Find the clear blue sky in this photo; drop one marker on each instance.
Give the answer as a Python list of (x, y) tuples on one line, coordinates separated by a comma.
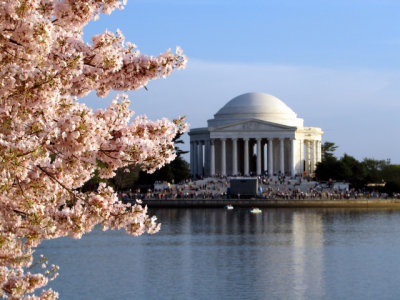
[(336, 63)]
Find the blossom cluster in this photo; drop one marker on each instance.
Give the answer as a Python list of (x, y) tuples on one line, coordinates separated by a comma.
[(51, 144)]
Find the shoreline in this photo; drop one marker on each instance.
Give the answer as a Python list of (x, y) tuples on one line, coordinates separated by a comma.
[(272, 203)]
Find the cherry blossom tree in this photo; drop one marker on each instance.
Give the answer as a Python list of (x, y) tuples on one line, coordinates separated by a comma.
[(51, 144)]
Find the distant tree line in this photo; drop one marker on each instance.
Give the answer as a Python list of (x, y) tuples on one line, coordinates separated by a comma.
[(358, 173)]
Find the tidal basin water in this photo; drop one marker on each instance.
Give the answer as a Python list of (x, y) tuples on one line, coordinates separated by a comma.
[(220, 254)]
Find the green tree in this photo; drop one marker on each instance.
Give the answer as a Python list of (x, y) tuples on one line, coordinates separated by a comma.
[(179, 141), (329, 168), (327, 150), (374, 169), (354, 171), (177, 171), (123, 180), (391, 175), (357, 173)]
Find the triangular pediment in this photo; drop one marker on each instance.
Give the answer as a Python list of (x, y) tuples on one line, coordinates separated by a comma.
[(253, 125)]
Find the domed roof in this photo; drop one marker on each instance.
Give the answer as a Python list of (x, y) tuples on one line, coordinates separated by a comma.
[(259, 106), (256, 104)]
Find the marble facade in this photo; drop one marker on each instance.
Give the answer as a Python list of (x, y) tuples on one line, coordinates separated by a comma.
[(254, 134)]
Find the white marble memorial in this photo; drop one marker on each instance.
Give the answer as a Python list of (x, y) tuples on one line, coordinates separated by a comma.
[(254, 133)]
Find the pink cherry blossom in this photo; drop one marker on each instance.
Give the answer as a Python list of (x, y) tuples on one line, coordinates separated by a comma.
[(51, 144)]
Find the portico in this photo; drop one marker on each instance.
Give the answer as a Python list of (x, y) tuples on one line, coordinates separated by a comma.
[(254, 134)]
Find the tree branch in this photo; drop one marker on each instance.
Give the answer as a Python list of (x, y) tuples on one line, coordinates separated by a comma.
[(56, 180)]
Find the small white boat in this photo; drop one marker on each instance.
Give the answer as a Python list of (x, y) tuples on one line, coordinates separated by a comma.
[(255, 210), (229, 206)]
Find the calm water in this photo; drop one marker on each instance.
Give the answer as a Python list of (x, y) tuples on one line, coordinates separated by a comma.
[(218, 254)]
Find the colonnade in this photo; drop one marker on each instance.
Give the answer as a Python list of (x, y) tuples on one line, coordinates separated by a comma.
[(248, 156), (311, 156)]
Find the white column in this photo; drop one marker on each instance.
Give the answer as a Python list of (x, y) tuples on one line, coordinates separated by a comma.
[(234, 157), (200, 157), (282, 155), (270, 155), (307, 157), (313, 156), (292, 157), (258, 156), (319, 158), (223, 157), (301, 156), (212, 160), (246, 156)]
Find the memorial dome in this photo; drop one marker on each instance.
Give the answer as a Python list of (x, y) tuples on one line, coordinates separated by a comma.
[(258, 106)]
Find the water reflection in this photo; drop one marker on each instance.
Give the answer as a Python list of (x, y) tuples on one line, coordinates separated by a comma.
[(218, 254), (307, 254)]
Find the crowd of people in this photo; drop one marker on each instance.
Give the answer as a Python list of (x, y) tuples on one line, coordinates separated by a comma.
[(270, 187)]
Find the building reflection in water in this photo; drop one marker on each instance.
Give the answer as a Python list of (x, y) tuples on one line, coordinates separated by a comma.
[(278, 248), (308, 256)]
